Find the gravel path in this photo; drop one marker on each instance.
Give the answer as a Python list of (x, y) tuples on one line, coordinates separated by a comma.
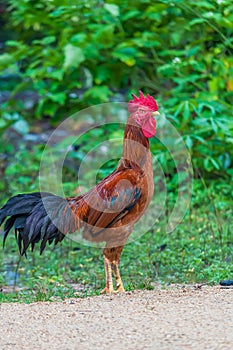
[(175, 318)]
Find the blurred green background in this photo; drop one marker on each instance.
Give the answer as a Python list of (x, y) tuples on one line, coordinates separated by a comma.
[(59, 56)]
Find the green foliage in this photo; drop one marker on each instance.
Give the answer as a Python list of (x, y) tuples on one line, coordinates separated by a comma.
[(70, 56)]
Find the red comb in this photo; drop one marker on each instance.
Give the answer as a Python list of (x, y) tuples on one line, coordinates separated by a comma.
[(146, 101)]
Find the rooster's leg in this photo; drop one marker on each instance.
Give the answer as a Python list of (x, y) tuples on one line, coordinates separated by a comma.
[(108, 274), (111, 264), (117, 276)]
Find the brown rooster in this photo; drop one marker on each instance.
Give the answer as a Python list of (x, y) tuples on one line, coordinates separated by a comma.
[(106, 213)]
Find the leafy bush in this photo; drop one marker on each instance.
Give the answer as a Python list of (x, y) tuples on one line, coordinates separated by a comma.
[(63, 56)]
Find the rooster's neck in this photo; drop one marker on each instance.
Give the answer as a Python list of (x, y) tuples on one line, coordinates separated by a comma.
[(136, 145)]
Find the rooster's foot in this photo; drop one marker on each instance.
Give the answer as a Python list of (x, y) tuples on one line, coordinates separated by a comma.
[(120, 289), (108, 291)]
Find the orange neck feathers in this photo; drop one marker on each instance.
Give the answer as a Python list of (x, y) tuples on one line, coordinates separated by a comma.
[(136, 145)]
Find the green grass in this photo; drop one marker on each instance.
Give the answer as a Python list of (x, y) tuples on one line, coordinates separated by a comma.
[(198, 251)]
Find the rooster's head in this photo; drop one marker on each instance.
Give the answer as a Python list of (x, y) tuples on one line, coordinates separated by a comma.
[(143, 109)]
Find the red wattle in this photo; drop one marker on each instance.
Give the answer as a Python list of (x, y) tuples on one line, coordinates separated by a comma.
[(149, 127)]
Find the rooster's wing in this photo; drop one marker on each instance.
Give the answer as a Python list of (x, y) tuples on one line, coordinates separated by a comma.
[(108, 202)]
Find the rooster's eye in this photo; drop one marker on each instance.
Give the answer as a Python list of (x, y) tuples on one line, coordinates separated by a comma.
[(142, 111)]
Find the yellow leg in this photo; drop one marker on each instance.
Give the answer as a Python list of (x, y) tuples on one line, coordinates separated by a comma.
[(108, 275), (117, 276)]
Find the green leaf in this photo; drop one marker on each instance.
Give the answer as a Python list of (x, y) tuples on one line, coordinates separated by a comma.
[(208, 106), (126, 55), (3, 124), (78, 38), (214, 125), (48, 40), (45, 41), (56, 74), (98, 94), (130, 14), (105, 35), (189, 142), (215, 163), (73, 56), (102, 74), (203, 4), (199, 138), (186, 111), (197, 21), (213, 84), (207, 165), (5, 60), (226, 160), (113, 9), (211, 163), (58, 97)]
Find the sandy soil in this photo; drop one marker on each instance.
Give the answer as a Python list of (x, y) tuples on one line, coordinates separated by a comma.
[(175, 318)]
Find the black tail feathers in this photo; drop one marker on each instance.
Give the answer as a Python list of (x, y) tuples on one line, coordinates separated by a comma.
[(37, 217)]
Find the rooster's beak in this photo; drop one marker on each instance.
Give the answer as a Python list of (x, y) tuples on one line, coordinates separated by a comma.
[(155, 113)]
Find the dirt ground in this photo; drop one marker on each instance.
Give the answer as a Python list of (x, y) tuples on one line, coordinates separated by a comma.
[(175, 318)]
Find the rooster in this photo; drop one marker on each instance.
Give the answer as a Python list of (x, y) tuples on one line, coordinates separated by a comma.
[(106, 213)]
